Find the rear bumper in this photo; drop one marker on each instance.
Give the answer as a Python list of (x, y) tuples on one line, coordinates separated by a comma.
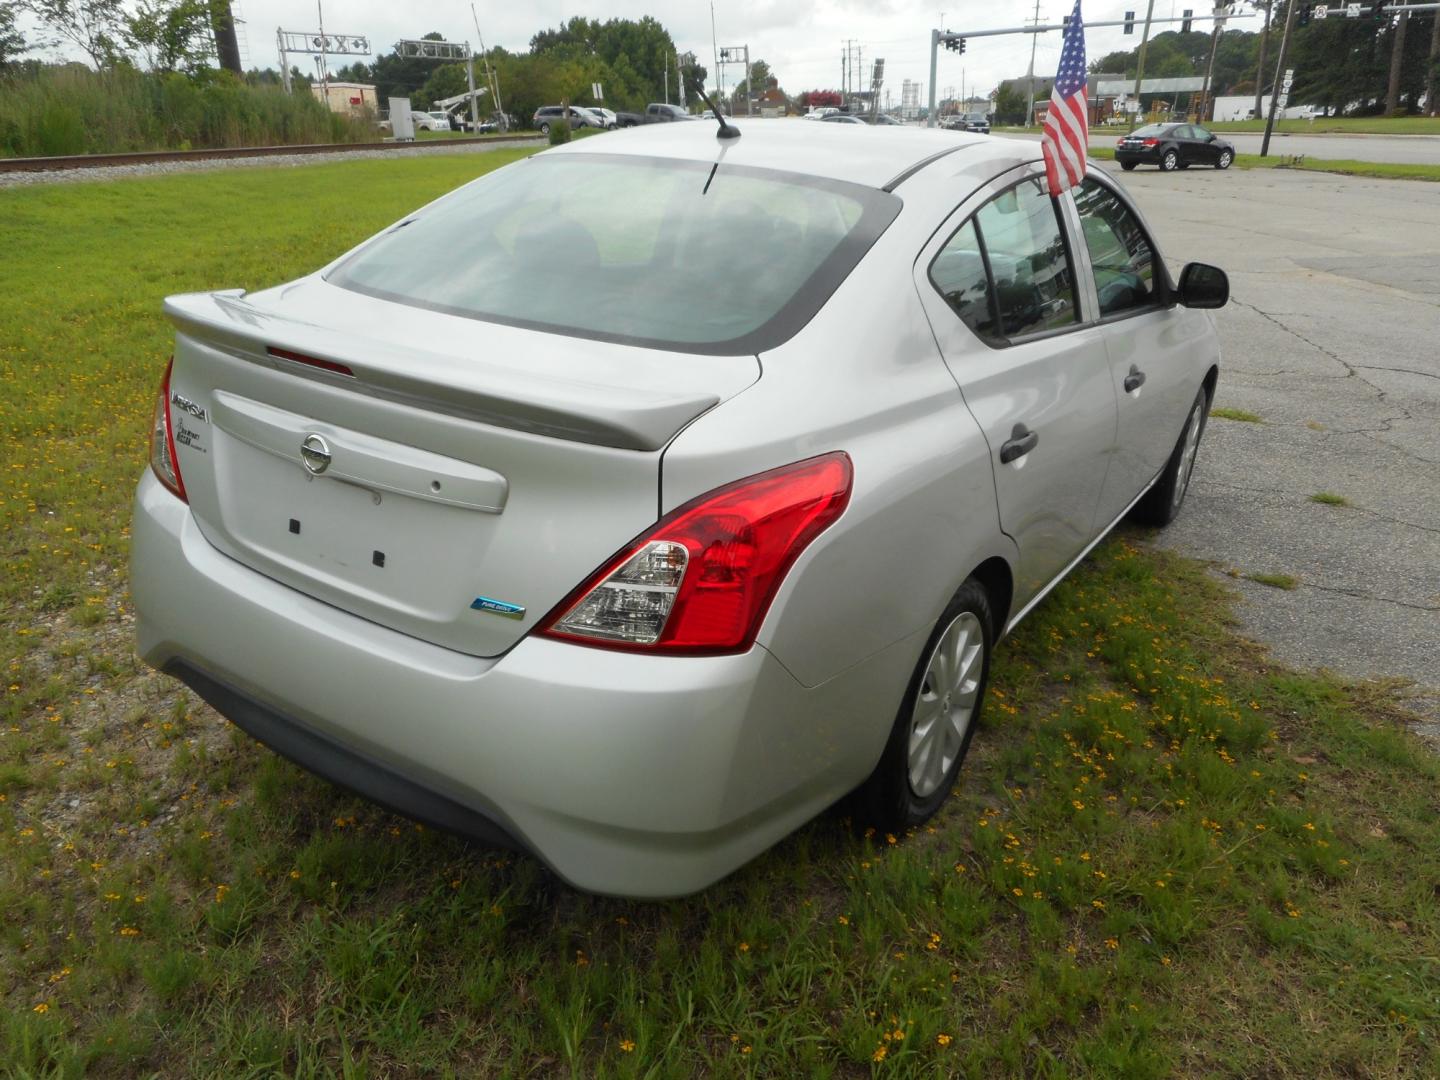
[(1138, 157), (626, 774)]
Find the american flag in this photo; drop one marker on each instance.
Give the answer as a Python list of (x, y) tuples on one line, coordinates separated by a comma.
[(1066, 128)]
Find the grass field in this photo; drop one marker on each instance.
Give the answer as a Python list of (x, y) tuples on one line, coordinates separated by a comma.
[(1341, 125), (1381, 170), (1167, 855)]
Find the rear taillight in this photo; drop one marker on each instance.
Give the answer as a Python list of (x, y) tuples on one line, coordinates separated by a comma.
[(162, 441), (1152, 142), (701, 580)]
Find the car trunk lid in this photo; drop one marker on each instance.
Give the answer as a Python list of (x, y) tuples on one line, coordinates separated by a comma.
[(449, 478)]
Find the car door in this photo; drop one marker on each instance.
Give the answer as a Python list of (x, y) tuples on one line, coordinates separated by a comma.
[(1000, 290), (1206, 151), (1148, 339)]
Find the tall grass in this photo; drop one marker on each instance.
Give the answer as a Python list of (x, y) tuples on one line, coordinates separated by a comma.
[(73, 110)]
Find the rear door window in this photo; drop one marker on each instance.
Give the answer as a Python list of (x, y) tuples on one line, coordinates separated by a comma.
[(1029, 276)]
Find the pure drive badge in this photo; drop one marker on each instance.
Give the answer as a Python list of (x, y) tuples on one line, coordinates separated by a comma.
[(498, 607)]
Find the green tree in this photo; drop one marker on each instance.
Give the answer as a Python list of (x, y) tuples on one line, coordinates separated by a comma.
[(760, 76), (396, 76), (95, 26), (1010, 105), (445, 81), (12, 42), (172, 35)]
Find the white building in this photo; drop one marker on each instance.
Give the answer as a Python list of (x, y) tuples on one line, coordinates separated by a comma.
[(351, 99), (1242, 107)]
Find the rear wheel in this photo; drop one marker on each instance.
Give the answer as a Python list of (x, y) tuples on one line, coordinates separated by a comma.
[(1170, 161), (544, 129), (1226, 157), (1161, 504), (937, 716)]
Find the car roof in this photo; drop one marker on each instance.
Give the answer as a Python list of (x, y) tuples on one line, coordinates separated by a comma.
[(822, 150)]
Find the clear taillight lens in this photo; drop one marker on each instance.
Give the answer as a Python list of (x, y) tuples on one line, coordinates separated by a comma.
[(162, 441), (701, 581)]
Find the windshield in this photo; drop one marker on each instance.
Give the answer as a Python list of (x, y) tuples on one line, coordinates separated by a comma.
[(687, 256)]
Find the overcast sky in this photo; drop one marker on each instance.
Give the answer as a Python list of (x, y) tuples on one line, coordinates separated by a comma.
[(802, 40)]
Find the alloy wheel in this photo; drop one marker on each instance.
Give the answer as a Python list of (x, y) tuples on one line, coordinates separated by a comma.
[(1187, 456), (946, 703)]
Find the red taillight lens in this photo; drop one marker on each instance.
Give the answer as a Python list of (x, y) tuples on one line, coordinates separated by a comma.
[(701, 580), (162, 441), (1152, 142)]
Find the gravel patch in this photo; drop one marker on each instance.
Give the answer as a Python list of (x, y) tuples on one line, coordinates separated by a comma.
[(268, 161)]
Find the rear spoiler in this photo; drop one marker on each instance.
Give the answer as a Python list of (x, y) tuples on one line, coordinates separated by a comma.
[(626, 417)]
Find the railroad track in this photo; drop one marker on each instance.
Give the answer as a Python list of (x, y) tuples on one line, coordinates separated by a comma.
[(151, 157)]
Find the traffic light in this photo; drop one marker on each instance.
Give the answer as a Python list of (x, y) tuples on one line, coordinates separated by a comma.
[(1129, 22), (1377, 9), (1185, 26), (955, 44), (1302, 18)]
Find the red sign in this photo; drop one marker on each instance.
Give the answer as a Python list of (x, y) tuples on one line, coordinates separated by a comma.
[(354, 101)]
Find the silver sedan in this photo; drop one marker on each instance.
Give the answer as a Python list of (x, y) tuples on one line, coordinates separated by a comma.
[(635, 540)]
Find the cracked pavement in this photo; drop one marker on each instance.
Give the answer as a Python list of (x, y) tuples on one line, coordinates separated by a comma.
[(1331, 337)]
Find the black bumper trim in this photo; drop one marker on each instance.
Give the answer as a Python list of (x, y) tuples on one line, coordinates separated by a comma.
[(341, 764)]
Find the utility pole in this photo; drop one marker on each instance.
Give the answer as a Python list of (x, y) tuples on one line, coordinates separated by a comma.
[(934, 48), (1210, 68), (1030, 81), (1140, 61), (1260, 64), (1397, 56), (1432, 84), (1279, 72), (666, 80), (714, 44), (749, 83)]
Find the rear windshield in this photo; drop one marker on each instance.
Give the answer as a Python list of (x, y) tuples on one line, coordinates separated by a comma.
[(1150, 130), (687, 256)]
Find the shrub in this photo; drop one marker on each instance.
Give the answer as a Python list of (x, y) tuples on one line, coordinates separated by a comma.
[(559, 132), (68, 109)]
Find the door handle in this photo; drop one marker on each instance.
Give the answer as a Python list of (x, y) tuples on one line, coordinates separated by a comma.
[(1020, 443), (1134, 380)]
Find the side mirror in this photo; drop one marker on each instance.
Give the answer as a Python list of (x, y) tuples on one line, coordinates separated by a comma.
[(1203, 286)]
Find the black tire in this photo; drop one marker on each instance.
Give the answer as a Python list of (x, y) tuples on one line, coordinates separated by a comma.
[(1128, 166), (888, 799), (1161, 504), (1223, 162), (1169, 161)]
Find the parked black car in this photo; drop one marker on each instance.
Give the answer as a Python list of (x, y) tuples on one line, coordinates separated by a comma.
[(1173, 146)]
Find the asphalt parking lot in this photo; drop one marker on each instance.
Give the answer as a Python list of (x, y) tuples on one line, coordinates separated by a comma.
[(1331, 338)]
